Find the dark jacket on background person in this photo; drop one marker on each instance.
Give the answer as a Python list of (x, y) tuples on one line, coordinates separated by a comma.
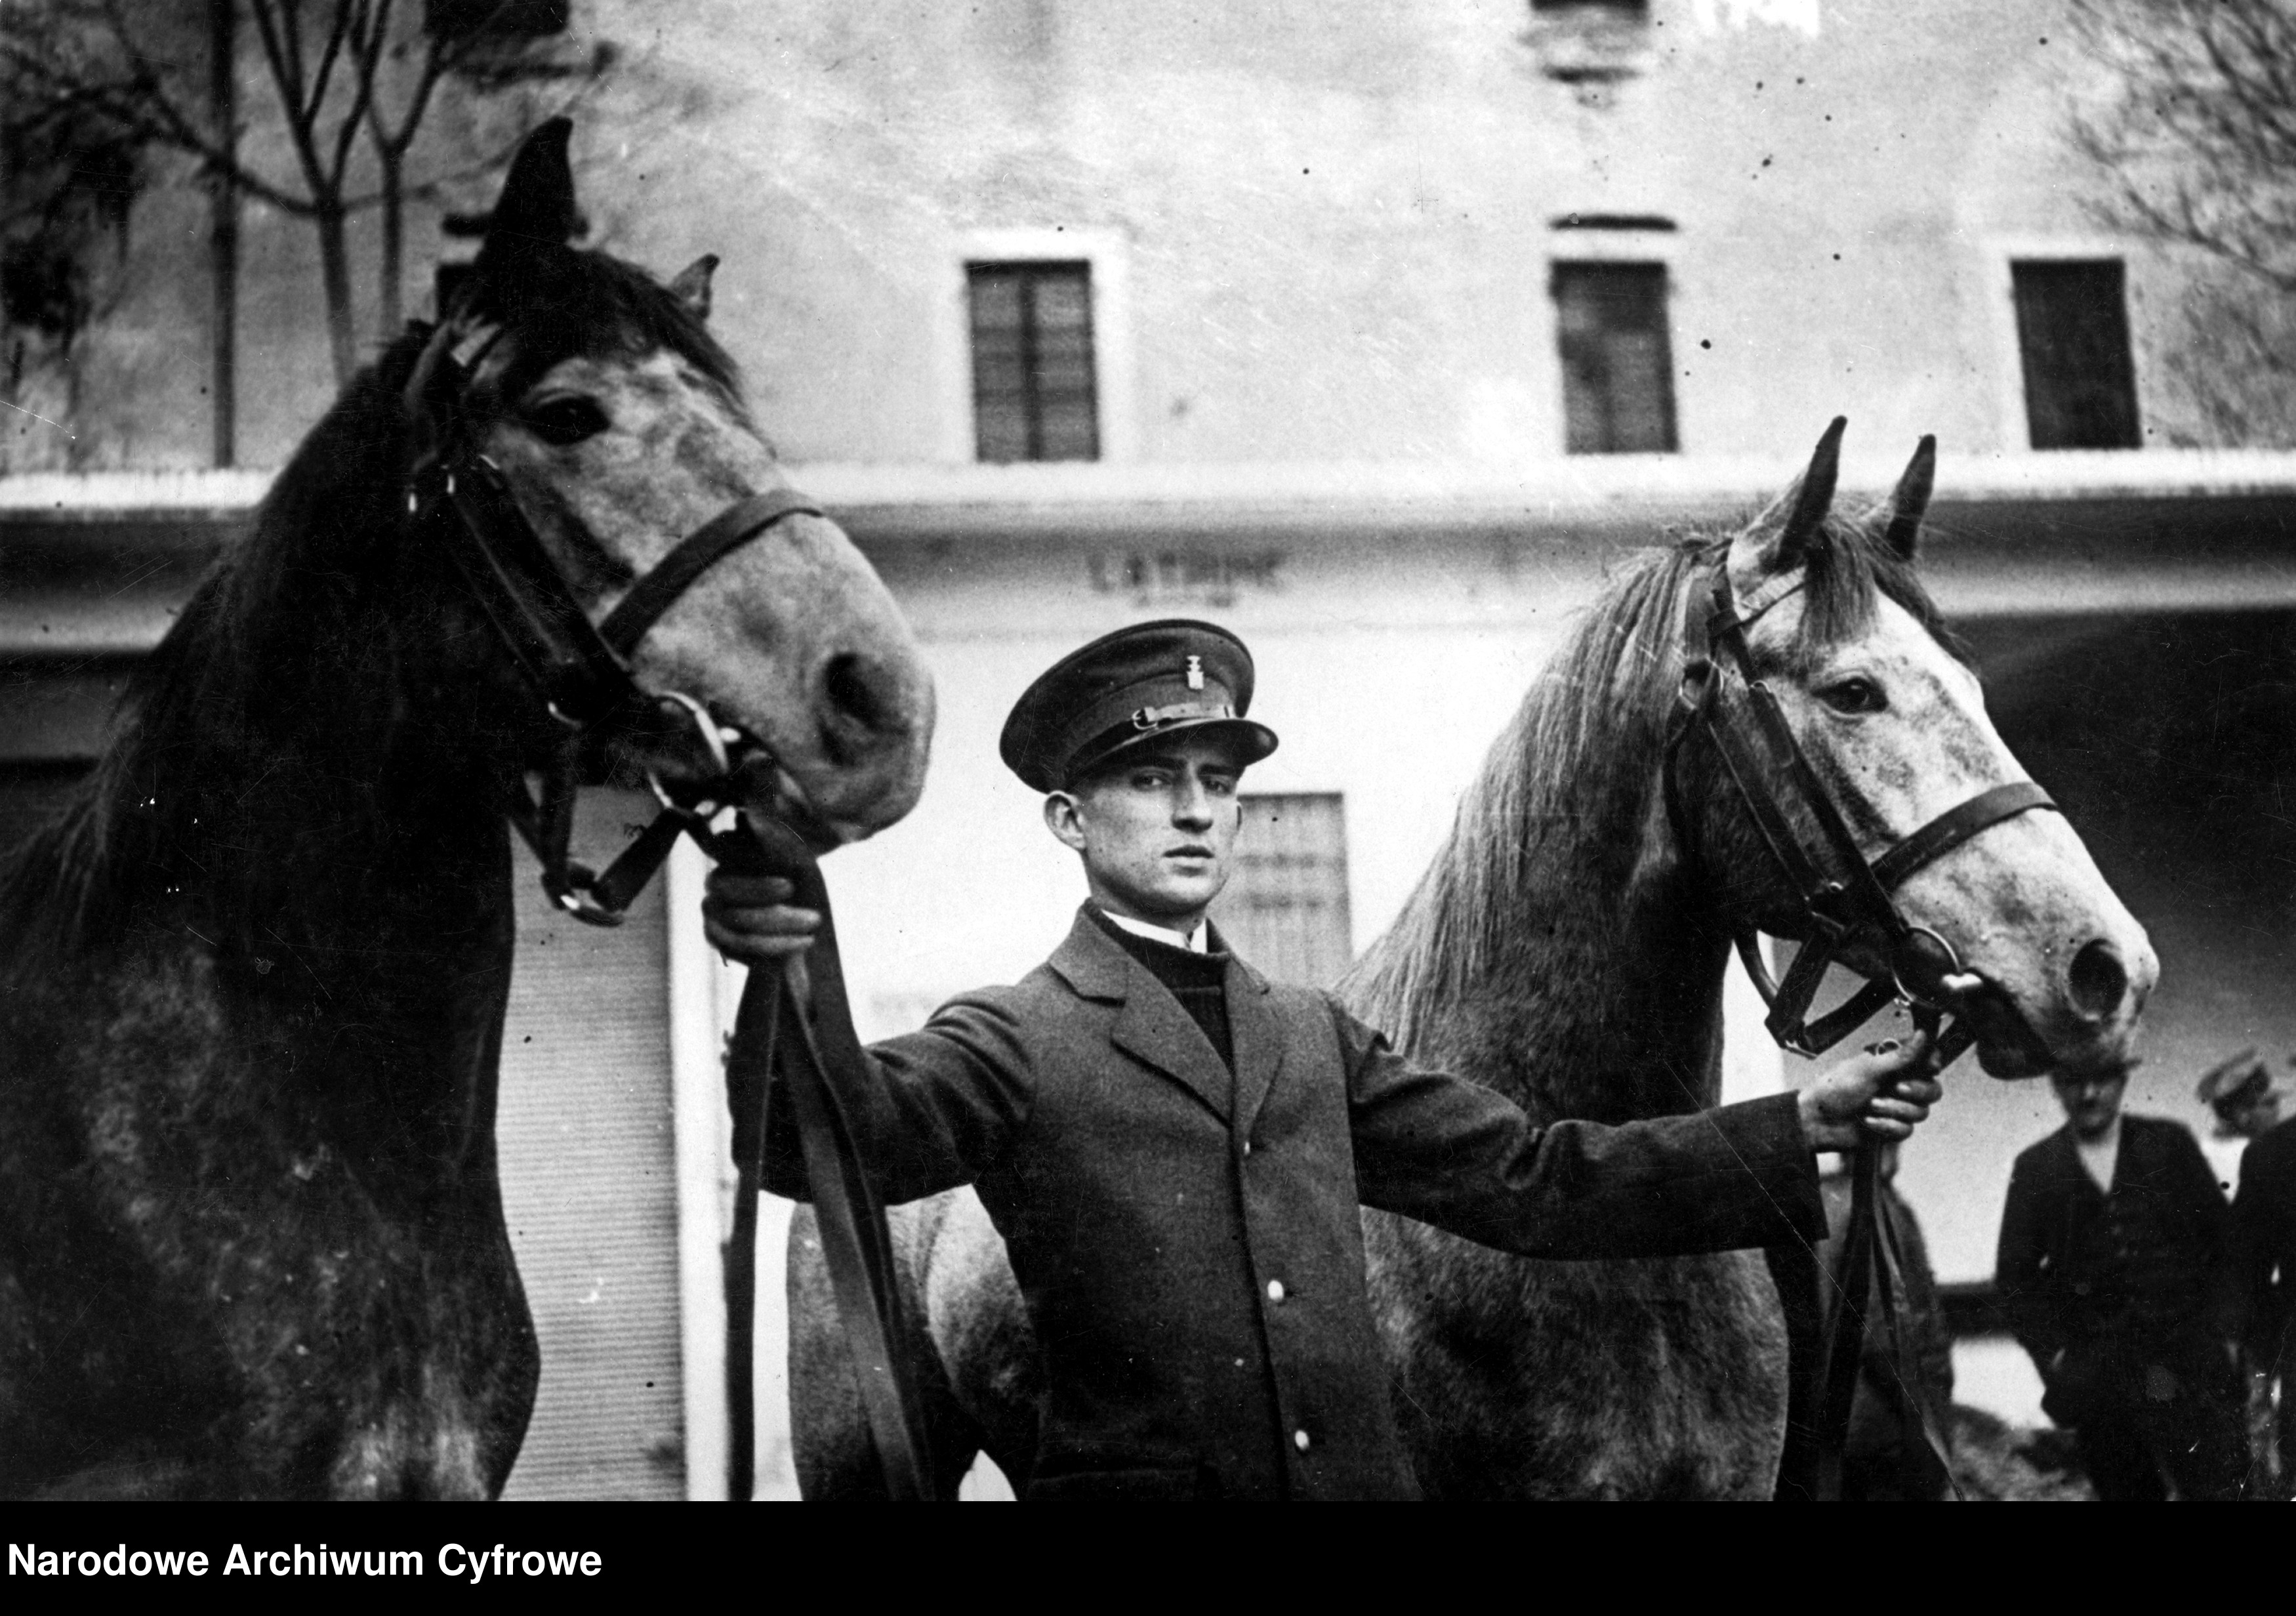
[(2089, 1280), (2263, 1261), (1185, 1228)]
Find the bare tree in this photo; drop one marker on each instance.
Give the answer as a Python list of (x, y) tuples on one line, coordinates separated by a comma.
[(2192, 132), (2198, 132), (348, 80)]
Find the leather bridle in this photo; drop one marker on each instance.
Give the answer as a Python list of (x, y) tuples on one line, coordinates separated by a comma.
[(1844, 899), (579, 672)]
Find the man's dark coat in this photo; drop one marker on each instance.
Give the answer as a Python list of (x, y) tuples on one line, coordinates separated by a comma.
[(2111, 1282), (1188, 1241)]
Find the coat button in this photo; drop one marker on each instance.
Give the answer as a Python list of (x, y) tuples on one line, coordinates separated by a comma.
[(1275, 1290), (1300, 1441)]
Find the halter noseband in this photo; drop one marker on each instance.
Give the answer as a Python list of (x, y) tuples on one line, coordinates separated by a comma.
[(1761, 757), (579, 671)]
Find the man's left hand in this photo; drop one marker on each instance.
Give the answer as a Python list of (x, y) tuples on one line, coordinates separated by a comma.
[(1884, 1093)]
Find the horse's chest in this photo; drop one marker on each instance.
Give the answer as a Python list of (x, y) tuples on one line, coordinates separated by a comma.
[(301, 1280)]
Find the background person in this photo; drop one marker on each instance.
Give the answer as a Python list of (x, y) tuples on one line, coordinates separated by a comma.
[(2112, 1242), (2239, 1091), (2262, 1276)]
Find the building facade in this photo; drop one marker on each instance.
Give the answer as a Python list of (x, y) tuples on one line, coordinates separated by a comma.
[(1377, 335)]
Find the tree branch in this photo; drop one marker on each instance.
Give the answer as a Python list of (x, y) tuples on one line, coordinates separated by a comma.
[(345, 24)]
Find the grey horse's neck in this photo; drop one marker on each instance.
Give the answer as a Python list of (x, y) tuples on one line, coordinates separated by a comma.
[(1608, 1017), (1557, 950)]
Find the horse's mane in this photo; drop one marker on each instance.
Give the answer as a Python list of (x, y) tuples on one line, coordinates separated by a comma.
[(295, 651), (1556, 825)]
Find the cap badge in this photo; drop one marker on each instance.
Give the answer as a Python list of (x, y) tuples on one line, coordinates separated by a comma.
[(1195, 672)]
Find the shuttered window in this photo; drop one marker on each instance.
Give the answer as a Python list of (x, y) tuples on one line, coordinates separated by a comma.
[(497, 19), (1617, 365), (1035, 388), (1286, 908), (2072, 336)]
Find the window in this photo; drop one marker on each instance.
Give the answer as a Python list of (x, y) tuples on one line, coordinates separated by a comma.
[(2072, 336), (497, 19), (1034, 392), (1286, 908), (1590, 44), (1617, 368)]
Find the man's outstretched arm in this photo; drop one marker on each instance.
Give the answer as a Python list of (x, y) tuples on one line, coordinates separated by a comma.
[(1458, 1155)]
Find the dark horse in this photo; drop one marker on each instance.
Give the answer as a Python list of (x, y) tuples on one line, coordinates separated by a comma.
[(1568, 948), (252, 981)]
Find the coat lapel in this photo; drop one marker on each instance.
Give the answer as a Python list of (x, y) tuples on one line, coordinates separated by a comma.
[(1257, 1034), (1150, 1026)]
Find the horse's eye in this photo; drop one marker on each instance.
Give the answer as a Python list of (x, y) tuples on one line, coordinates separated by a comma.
[(1854, 695), (565, 421)]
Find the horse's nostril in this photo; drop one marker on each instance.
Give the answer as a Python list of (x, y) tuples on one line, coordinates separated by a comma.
[(862, 705), (2097, 980)]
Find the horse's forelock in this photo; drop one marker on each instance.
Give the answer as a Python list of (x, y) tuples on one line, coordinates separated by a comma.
[(1848, 568), (564, 303)]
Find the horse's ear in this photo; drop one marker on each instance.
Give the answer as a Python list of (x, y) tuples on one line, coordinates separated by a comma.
[(692, 286), (1776, 540), (537, 206), (1911, 500)]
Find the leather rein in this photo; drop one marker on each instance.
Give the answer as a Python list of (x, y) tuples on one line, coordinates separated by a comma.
[(793, 1024), (1843, 898)]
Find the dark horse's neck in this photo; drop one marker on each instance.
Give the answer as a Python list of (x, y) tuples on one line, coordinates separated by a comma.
[(1558, 948), (301, 805)]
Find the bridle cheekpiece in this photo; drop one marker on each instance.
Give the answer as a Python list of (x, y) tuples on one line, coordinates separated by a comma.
[(1843, 897), (579, 672)]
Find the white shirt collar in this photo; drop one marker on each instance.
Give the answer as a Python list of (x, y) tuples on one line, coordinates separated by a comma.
[(1193, 941), (2101, 1156)]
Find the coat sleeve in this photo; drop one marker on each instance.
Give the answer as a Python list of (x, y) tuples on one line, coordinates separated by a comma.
[(1466, 1159), (2019, 1261), (942, 1107)]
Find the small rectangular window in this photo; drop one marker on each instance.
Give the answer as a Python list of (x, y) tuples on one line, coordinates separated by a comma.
[(1286, 908), (2072, 336), (497, 19), (1618, 367), (1035, 390)]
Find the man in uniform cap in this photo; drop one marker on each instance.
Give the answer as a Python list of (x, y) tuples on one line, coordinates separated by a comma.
[(1175, 1149), (2241, 1092)]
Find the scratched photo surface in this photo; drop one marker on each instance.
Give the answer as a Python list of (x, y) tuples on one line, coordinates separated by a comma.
[(1392, 337)]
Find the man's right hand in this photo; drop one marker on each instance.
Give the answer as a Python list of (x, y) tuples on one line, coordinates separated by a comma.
[(750, 919)]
